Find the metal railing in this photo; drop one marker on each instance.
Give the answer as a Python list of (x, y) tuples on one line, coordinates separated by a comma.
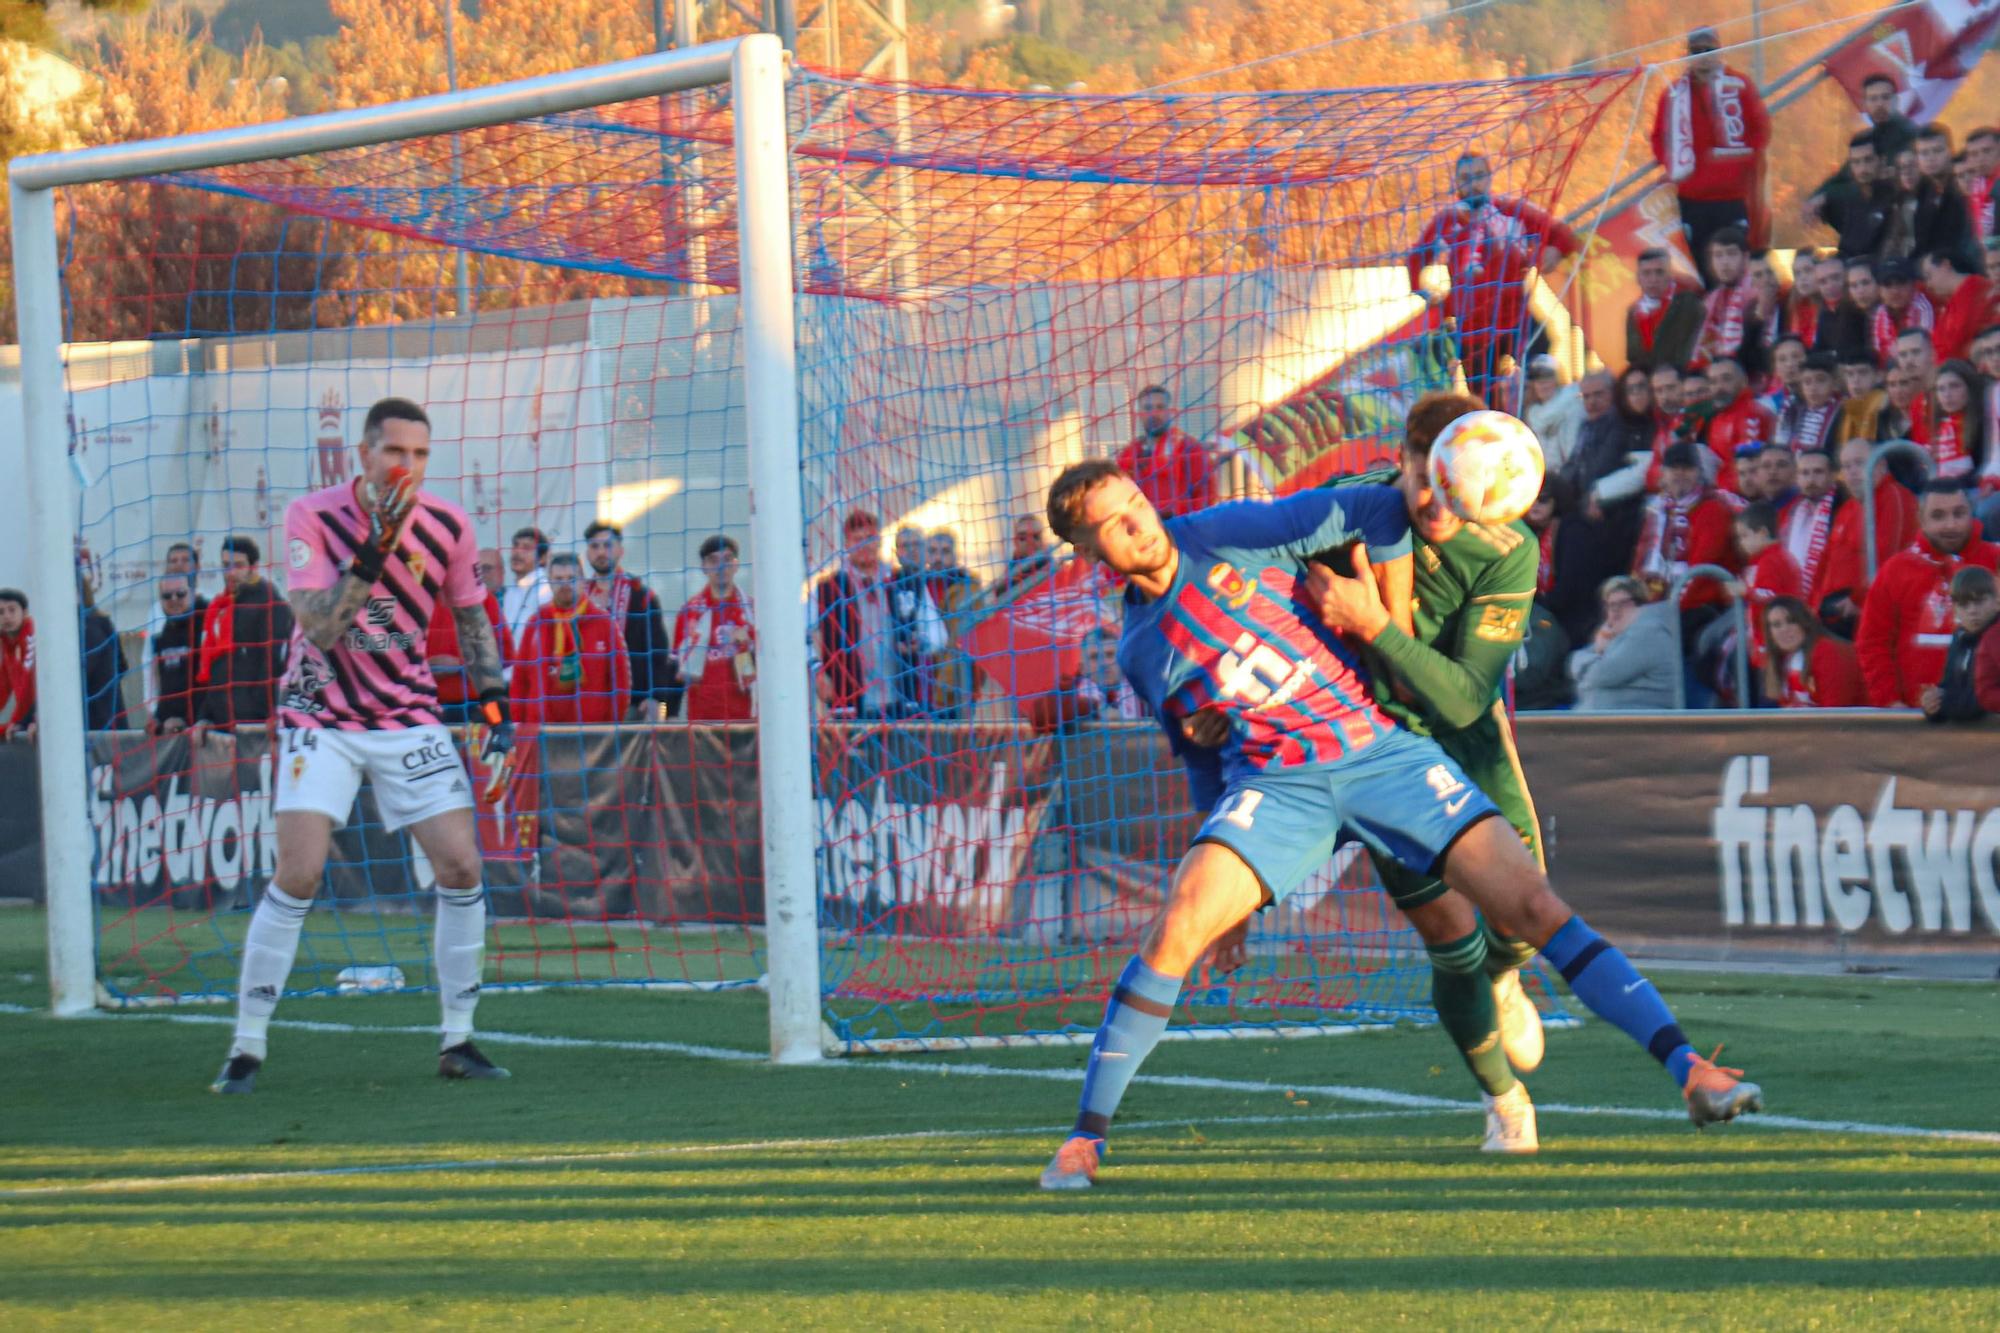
[(1727, 578)]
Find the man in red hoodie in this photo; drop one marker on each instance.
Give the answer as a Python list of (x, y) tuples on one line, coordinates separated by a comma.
[(1709, 134), (17, 665), (1742, 428), (1965, 302), (570, 665), (1171, 466), (1488, 244), (1907, 623), (1840, 584)]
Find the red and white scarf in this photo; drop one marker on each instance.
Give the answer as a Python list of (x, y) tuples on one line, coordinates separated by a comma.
[(1947, 446), (1545, 572), (1885, 324), (1726, 122), (1798, 694), (1722, 330), (1663, 541), (1806, 529), (1647, 314), (1815, 426)]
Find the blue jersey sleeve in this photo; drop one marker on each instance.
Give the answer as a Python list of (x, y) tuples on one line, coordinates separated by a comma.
[(1312, 521)]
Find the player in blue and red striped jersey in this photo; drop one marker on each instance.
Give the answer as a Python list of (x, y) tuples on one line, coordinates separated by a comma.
[(1274, 716)]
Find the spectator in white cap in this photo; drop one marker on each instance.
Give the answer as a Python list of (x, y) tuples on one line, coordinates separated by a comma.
[(1554, 412)]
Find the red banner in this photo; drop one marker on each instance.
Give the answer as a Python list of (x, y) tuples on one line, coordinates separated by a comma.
[(1927, 49)]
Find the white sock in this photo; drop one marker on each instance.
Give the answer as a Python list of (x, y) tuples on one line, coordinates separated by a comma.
[(461, 958), (269, 947)]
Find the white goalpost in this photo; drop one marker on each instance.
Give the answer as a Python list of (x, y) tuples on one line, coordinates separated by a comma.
[(754, 70)]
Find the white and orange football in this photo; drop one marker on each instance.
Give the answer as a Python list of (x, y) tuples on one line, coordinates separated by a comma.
[(1487, 467)]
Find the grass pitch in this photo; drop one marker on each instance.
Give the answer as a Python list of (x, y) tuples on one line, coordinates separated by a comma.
[(645, 1187)]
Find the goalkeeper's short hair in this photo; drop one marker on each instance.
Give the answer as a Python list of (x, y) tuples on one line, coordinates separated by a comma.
[(1430, 414)]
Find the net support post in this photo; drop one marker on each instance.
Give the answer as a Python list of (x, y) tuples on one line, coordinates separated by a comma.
[(67, 841), (777, 531)]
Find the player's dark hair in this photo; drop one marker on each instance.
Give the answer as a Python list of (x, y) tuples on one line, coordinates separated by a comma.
[(1986, 332), (1728, 238), (1072, 489), (1942, 486), (393, 409), (535, 535), (1983, 132), (1759, 517), (1921, 335), (1653, 254), (1784, 338), (600, 526), (1822, 450), (1825, 362), (1681, 454), (719, 543), (1874, 79), (1972, 584), (1159, 389), (1862, 263), (1865, 139), (14, 595), (1857, 356), (194, 554), (1428, 417), (1934, 131), (566, 558), (243, 546)]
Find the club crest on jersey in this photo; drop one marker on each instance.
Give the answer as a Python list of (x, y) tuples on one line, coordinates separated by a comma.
[(415, 564), (1231, 586), (298, 766)]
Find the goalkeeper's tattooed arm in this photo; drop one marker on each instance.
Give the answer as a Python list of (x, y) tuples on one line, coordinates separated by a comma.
[(479, 648), (325, 613)]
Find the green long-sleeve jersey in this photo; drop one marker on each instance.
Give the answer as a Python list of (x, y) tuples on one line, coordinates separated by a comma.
[(1470, 599)]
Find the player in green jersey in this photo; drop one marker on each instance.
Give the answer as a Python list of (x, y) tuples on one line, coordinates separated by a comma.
[(1473, 589)]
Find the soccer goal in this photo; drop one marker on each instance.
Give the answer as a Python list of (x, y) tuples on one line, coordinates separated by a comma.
[(641, 295)]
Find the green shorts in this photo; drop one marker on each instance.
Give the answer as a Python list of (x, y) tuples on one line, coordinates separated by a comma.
[(1485, 751)]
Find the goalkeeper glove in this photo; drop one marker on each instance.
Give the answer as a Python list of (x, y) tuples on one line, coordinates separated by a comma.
[(387, 513), (496, 742)]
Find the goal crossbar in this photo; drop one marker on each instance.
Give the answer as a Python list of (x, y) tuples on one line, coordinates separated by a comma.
[(754, 69)]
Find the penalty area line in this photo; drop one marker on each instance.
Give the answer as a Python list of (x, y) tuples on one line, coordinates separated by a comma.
[(1358, 1095), (129, 1184)]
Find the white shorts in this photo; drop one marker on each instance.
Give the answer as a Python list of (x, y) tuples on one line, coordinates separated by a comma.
[(415, 773)]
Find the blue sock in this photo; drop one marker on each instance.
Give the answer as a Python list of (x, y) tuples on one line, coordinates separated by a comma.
[(1141, 1004), (1605, 980)]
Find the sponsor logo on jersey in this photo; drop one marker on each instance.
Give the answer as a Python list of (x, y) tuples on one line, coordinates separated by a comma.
[(299, 552), (1231, 585)]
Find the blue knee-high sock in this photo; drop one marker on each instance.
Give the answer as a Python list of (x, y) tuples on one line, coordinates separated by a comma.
[(1605, 980), (1140, 1005)]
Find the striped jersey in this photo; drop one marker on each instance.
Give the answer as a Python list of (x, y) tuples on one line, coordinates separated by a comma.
[(1230, 632), (377, 676)]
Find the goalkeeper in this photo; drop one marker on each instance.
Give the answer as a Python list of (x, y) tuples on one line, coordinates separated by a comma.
[(1473, 586)]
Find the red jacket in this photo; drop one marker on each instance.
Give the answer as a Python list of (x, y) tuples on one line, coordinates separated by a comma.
[(442, 641), (1711, 540), (1986, 672), (1773, 574), (1907, 624), (1844, 567), (1488, 251), (17, 672), (715, 694), (1174, 471), (1835, 678), (1711, 140), (1969, 310), (1745, 424), (571, 668)]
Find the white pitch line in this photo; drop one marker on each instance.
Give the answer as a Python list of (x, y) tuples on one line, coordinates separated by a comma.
[(127, 1184), (1365, 1096)]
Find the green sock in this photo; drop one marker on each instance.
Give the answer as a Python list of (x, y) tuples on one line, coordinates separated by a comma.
[(1504, 953), (1462, 994)]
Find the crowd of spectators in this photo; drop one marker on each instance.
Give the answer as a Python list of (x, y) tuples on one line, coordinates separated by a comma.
[(1744, 432)]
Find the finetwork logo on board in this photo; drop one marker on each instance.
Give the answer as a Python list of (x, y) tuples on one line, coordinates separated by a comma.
[(1800, 866)]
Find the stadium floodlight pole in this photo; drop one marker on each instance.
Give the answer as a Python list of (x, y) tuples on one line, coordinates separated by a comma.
[(755, 65), (1736, 609), (1887, 449)]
